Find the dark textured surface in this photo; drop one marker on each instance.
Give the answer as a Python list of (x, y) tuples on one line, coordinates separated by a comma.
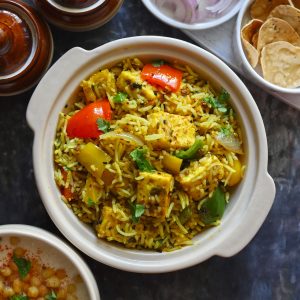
[(268, 268)]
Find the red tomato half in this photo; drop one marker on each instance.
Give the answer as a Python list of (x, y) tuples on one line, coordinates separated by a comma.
[(164, 76), (84, 123)]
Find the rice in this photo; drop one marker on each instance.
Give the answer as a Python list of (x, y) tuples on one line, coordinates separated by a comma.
[(170, 217)]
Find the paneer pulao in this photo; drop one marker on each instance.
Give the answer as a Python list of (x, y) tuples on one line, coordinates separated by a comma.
[(147, 153), (172, 131)]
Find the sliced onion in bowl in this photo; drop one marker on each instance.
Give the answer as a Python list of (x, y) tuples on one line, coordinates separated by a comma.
[(192, 11), (124, 136), (219, 7)]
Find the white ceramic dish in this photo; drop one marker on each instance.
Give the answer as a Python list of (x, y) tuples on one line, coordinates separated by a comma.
[(249, 204), (229, 13), (256, 74), (51, 251)]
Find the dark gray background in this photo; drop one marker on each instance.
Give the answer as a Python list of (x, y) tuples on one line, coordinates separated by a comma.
[(268, 268)]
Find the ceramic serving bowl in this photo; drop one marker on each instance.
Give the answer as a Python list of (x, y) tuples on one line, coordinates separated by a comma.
[(52, 252), (250, 202), (255, 74), (228, 14)]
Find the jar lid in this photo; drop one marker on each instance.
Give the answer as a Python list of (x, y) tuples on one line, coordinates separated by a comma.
[(78, 15), (25, 47), (76, 3), (15, 42)]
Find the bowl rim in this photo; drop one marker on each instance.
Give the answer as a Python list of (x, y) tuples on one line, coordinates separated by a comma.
[(195, 26), (246, 63), (20, 230), (262, 193)]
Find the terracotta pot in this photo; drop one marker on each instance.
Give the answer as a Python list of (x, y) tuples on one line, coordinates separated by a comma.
[(26, 47), (78, 15)]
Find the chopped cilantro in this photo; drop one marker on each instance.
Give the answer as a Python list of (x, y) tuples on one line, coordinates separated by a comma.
[(23, 265), (224, 96), (215, 104), (138, 156), (51, 296), (157, 63), (120, 97), (226, 130), (90, 202), (219, 102), (19, 297), (103, 125), (137, 210)]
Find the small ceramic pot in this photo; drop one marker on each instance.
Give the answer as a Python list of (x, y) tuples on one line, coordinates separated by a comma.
[(78, 15), (26, 47), (250, 201)]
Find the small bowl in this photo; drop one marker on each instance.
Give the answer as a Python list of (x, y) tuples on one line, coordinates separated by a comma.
[(250, 201), (50, 251), (230, 12), (242, 19)]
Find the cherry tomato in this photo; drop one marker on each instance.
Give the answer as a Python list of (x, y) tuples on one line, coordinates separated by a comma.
[(164, 76), (84, 123)]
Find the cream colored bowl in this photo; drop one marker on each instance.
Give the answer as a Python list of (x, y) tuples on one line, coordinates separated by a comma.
[(52, 252), (250, 202)]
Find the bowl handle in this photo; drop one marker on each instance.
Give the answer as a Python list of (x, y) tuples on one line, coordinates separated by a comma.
[(40, 103), (261, 202)]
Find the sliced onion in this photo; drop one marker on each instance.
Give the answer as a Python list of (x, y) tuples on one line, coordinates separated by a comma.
[(192, 11), (124, 136), (191, 8), (230, 142), (219, 7), (173, 8)]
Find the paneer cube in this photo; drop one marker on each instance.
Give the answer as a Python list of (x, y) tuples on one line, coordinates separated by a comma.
[(106, 229), (202, 177), (104, 83), (101, 84), (175, 132), (153, 191), (131, 83)]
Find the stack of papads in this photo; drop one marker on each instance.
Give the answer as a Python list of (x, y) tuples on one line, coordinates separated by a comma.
[(272, 40)]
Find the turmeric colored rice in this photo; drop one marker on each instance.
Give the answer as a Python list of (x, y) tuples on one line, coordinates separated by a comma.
[(164, 164)]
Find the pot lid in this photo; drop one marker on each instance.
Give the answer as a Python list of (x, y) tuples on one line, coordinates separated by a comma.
[(15, 42), (76, 3), (25, 47)]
